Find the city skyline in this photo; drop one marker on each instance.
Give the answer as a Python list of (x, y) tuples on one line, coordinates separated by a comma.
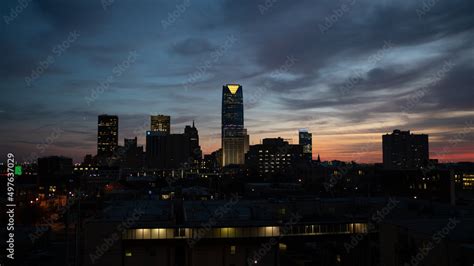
[(415, 74)]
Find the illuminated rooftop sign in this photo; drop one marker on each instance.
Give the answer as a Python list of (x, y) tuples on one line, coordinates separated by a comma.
[(233, 88)]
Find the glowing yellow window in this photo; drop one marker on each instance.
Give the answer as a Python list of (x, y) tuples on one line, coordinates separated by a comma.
[(282, 246)]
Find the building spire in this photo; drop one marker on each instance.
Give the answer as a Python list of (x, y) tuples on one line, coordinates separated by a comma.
[(193, 123)]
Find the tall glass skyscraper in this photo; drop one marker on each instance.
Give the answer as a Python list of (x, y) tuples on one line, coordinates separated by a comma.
[(306, 140), (234, 135), (107, 135)]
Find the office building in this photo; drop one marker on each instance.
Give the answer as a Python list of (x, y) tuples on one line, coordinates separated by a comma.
[(54, 171), (403, 150), (234, 135), (107, 135), (131, 154), (194, 149), (306, 141), (263, 232), (161, 123), (167, 151), (273, 157)]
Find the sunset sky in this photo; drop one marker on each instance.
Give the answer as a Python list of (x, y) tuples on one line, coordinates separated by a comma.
[(348, 71)]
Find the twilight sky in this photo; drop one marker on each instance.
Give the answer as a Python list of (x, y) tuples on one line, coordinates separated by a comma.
[(349, 71)]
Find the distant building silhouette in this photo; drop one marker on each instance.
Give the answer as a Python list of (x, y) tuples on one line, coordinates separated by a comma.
[(107, 135), (54, 170), (160, 123), (194, 149), (403, 150), (132, 154), (166, 151), (234, 135), (173, 151), (306, 140)]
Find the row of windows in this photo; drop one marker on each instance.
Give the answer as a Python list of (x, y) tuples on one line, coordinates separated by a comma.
[(244, 232)]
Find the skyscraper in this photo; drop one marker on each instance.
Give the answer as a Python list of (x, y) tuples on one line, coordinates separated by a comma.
[(403, 150), (107, 135), (195, 150), (132, 154), (234, 135), (306, 140), (160, 123), (167, 151)]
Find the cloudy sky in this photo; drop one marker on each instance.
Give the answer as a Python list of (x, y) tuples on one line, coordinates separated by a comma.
[(349, 71)]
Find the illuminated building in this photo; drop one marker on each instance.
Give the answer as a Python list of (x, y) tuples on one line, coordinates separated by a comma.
[(160, 123), (272, 157), (306, 140), (468, 181), (234, 135), (170, 233), (107, 135), (403, 150)]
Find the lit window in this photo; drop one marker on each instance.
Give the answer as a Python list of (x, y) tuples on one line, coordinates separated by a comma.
[(232, 250)]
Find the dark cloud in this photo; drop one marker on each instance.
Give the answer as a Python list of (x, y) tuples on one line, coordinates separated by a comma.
[(305, 92), (192, 46), (68, 16)]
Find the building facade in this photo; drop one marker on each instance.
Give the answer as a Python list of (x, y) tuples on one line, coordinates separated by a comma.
[(107, 135), (160, 123), (403, 150), (166, 151), (273, 157), (306, 141), (194, 149), (234, 135)]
